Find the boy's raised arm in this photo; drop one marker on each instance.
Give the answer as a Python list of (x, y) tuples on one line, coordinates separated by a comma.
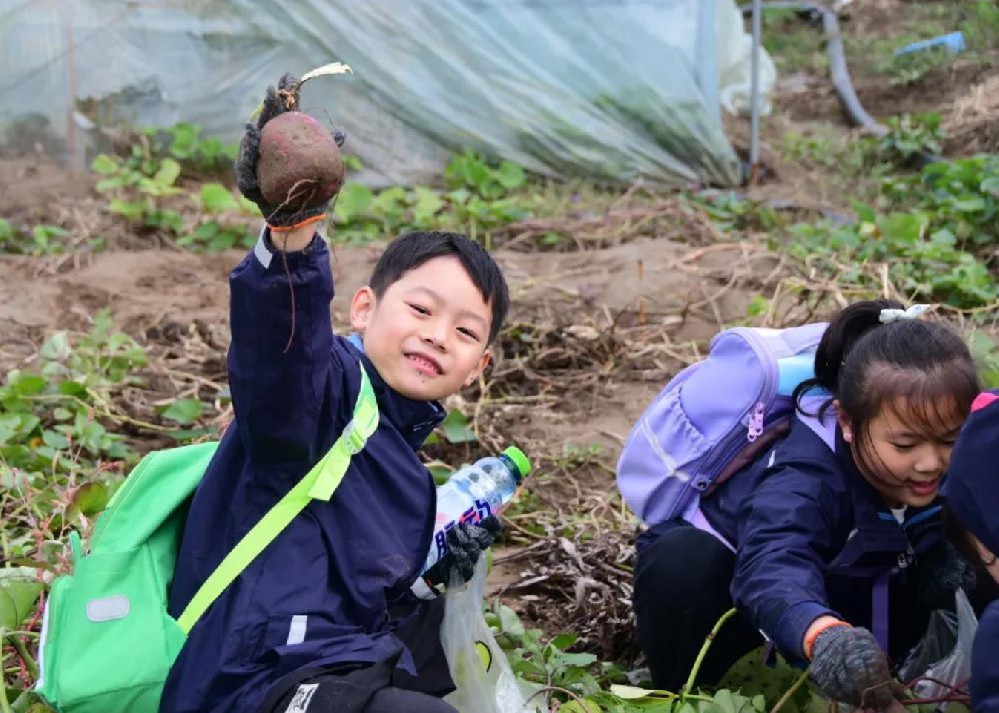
[(279, 358), (280, 355)]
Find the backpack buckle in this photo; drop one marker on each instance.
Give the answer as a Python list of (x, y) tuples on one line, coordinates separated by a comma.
[(353, 439)]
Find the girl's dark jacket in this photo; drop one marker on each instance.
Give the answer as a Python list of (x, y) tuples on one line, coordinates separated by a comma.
[(812, 537)]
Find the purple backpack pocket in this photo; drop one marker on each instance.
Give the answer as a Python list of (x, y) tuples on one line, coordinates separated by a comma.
[(714, 417)]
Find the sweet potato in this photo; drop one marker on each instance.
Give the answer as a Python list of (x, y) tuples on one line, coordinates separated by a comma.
[(300, 165)]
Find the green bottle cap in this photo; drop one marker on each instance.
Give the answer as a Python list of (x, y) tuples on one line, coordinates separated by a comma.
[(520, 460)]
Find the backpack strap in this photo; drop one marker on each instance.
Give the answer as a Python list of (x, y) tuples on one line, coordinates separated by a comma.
[(318, 484)]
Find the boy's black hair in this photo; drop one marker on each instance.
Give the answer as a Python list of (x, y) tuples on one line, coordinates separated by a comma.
[(865, 365), (409, 251)]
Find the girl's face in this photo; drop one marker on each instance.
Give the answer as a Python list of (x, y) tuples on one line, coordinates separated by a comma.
[(903, 462)]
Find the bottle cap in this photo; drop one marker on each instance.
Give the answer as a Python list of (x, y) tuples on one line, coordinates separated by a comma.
[(521, 461)]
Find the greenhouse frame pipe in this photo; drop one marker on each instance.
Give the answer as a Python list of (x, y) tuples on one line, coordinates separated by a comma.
[(754, 132), (838, 70)]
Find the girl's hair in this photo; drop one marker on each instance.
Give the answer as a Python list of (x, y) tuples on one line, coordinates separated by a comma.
[(866, 365)]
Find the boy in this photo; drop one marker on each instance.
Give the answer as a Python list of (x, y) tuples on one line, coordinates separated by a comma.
[(334, 609)]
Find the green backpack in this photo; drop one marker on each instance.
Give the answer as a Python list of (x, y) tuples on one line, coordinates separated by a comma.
[(107, 641)]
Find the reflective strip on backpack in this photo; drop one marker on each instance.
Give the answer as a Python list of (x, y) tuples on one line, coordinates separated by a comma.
[(318, 484)]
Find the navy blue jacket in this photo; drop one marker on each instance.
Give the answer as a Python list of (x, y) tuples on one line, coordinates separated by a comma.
[(320, 595), (972, 494), (812, 535)]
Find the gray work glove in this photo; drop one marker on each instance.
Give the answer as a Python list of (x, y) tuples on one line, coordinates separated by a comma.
[(277, 101), (942, 571), (849, 666), (465, 542)]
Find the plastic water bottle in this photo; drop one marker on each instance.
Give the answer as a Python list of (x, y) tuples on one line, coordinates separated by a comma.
[(475, 492), (793, 370)]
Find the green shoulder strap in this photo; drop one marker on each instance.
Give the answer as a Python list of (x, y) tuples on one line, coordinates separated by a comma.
[(318, 484)]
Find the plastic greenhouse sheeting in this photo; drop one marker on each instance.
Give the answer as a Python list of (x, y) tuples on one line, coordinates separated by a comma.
[(608, 89)]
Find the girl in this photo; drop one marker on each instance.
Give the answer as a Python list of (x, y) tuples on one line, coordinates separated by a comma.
[(972, 494), (818, 544)]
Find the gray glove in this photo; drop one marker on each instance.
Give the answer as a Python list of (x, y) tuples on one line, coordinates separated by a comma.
[(277, 101), (942, 571), (465, 542), (849, 666)]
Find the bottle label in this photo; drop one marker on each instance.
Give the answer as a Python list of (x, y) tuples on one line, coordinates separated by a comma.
[(478, 512)]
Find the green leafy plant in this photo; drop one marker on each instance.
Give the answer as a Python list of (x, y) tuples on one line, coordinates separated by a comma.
[(732, 212), (909, 136), (904, 70), (961, 196), (52, 419), (143, 188), (986, 352), (39, 240), (478, 197), (934, 232), (184, 143)]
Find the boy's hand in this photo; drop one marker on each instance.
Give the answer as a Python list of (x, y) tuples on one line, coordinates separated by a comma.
[(942, 571), (849, 666), (465, 542), (278, 100)]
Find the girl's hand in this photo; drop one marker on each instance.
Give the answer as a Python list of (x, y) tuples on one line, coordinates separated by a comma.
[(849, 666)]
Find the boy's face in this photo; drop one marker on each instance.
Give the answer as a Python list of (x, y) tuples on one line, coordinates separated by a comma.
[(427, 334)]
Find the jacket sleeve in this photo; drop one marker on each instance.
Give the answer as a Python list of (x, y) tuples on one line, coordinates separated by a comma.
[(280, 354), (785, 537), (984, 667)]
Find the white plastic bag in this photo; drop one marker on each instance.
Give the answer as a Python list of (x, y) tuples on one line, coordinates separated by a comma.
[(485, 681), (944, 653), (735, 57)]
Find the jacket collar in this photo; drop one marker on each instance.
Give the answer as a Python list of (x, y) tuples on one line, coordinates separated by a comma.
[(414, 420)]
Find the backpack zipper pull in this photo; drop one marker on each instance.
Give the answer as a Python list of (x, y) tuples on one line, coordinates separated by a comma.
[(755, 423)]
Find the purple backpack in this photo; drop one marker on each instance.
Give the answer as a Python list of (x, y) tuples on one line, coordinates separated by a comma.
[(714, 417)]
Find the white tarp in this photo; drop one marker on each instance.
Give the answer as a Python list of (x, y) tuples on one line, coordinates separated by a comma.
[(607, 89)]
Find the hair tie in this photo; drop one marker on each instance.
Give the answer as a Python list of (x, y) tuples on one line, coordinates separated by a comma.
[(894, 315)]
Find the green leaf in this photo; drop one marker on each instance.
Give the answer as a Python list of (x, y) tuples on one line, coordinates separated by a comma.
[(440, 472), (632, 693), (510, 175), (353, 202), (183, 411), (456, 428), (26, 384), (55, 440), (107, 184), (969, 204), (510, 623), (104, 165), (990, 185), (19, 590), (9, 427), (56, 347), (73, 388), (168, 173), (582, 659), (216, 198), (564, 641), (132, 210), (90, 499)]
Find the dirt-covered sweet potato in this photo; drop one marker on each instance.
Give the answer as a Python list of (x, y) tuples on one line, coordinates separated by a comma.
[(300, 164)]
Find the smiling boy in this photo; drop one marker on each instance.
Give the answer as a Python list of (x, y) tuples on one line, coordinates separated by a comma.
[(334, 614)]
